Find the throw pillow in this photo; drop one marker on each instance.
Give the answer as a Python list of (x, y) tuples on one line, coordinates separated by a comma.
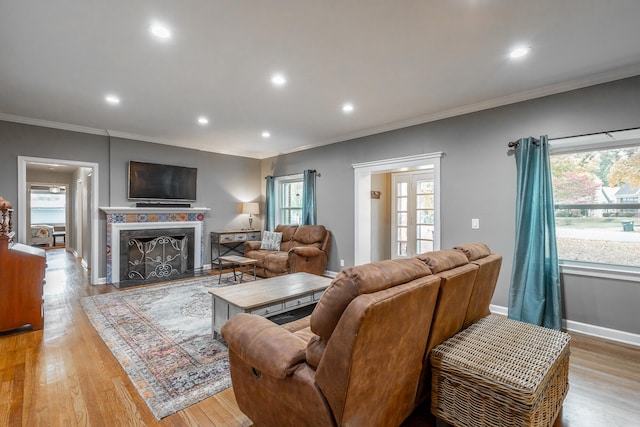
[(271, 241)]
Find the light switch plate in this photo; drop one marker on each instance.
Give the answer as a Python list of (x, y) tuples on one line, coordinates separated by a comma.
[(475, 223)]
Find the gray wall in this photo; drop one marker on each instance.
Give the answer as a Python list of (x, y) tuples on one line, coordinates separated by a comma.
[(34, 141), (223, 181), (478, 181), (381, 217)]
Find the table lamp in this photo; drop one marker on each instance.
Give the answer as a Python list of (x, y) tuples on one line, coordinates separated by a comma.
[(251, 208)]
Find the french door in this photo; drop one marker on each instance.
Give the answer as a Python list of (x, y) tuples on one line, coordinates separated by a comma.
[(413, 213)]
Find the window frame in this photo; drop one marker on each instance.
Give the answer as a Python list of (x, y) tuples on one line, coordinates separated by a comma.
[(279, 186), (629, 138)]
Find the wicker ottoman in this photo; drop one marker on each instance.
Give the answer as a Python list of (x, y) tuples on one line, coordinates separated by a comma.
[(500, 372)]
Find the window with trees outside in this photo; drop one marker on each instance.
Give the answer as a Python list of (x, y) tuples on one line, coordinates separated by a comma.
[(596, 189), (289, 200)]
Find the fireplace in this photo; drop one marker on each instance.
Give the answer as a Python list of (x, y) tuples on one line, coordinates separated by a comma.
[(156, 254), (153, 244)]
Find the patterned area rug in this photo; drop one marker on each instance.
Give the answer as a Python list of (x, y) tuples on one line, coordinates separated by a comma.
[(161, 335)]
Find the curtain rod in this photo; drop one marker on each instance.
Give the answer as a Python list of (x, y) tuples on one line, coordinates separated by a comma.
[(513, 144), (298, 173)]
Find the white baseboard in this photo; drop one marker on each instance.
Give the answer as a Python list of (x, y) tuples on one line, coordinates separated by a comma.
[(587, 329), (101, 281), (330, 273)]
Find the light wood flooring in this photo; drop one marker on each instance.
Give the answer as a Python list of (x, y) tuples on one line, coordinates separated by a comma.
[(66, 376)]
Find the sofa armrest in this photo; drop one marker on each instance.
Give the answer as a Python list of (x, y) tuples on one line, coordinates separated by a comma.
[(252, 245), (265, 346), (306, 251)]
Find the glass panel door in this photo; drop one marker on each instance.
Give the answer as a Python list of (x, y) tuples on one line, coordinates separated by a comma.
[(413, 216)]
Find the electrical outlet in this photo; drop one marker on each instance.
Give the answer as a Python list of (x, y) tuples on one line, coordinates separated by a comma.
[(475, 223), (341, 263)]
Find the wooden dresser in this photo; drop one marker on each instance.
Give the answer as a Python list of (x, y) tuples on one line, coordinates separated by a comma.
[(22, 271)]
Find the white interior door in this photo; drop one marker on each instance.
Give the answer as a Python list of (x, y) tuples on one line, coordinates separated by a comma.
[(413, 213)]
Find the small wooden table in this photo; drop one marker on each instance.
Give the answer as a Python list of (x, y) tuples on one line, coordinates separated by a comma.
[(266, 297), (239, 261), (57, 234)]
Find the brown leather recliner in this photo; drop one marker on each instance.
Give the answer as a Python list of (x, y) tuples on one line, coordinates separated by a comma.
[(353, 361), (304, 248), (358, 364), (488, 270)]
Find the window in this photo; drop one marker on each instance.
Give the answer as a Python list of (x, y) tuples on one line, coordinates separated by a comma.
[(48, 205), (597, 210), (289, 200)]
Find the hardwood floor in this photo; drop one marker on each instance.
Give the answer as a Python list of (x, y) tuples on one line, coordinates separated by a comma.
[(65, 375)]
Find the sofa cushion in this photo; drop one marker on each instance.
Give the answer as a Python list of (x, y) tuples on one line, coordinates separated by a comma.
[(276, 261), (258, 255), (439, 261), (271, 241), (287, 236), (361, 279), (474, 251), (310, 235)]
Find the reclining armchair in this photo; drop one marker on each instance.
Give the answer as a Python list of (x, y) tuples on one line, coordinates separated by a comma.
[(303, 248), (359, 362)]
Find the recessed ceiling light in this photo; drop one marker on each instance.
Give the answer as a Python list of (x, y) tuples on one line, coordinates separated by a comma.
[(519, 52), (278, 79), (266, 134), (161, 31), (112, 99), (347, 107), (203, 120)]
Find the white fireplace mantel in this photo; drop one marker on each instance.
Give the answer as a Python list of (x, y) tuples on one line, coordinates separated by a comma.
[(150, 217), (152, 209)]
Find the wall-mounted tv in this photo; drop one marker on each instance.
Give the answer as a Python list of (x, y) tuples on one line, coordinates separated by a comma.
[(152, 181)]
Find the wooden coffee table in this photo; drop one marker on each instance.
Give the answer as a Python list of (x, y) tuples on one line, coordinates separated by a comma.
[(243, 263), (266, 297)]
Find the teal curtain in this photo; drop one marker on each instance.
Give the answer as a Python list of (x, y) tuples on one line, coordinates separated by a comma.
[(309, 197), (534, 295), (270, 205)]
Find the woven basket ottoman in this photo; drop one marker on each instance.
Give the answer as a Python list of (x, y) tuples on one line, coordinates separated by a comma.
[(500, 372)]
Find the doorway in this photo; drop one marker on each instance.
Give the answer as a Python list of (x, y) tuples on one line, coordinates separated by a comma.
[(48, 206), (87, 218), (362, 197), (412, 213)]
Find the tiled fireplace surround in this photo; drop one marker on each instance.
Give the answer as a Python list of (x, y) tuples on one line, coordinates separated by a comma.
[(127, 219)]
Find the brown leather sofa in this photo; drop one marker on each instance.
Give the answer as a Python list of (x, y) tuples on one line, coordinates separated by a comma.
[(304, 248), (362, 357)]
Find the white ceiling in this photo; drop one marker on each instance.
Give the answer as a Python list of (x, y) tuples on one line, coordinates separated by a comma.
[(399, 62)]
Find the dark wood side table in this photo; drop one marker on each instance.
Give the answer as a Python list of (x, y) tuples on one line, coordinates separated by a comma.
[(57, 234)]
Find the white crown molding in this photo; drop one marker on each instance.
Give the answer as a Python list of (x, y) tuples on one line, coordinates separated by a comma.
[(50, 124), (617, 74), (605, 77)]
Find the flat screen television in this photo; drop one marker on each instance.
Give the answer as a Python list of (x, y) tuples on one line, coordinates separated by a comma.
[(152, 181)]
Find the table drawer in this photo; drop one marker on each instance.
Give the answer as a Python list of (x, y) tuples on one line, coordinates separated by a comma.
[(240, 237), (298, 302), (267, 310), (224, 238), (253, 236), (317, 295)]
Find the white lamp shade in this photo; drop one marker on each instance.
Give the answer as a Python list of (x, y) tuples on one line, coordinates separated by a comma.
[(251, 208)]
